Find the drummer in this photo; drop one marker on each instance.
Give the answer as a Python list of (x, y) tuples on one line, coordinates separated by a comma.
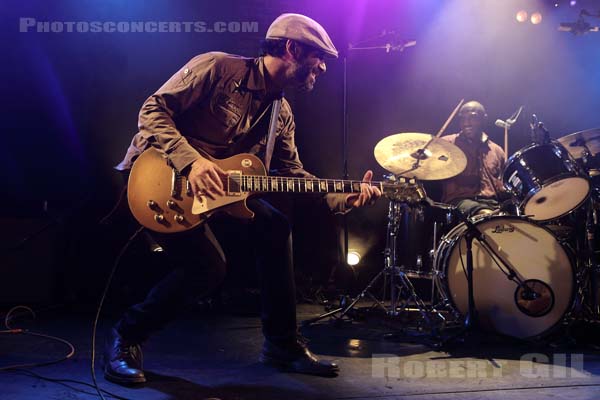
[(478, 189)]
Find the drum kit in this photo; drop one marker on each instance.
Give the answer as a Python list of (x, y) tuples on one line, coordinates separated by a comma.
[(521, 273)]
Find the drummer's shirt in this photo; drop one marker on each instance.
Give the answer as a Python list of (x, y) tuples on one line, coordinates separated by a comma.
[(482, 176)]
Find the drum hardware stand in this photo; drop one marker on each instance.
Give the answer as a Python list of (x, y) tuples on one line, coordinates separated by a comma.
[(589, 270), (470, 328), (593, 267), (438, 276), (396, 209), (399, 281)]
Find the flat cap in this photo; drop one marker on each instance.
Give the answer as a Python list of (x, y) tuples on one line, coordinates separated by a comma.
[(302, 29)]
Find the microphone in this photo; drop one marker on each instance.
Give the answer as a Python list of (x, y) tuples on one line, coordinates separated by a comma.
[(533, 125), (502, 124), (534, 298), (545, 131), (509, 122), (394, 46)]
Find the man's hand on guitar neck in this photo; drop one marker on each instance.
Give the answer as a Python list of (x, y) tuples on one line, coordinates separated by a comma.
[(207, 178), (368, 194)]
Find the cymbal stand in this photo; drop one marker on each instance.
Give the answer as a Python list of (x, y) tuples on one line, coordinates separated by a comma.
[(402, 291), (399, 282)]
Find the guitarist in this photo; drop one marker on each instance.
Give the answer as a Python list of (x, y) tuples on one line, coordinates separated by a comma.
[(219, 105)]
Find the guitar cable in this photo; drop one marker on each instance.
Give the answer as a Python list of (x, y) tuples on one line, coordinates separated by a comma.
[(22, 368), (101, 303)]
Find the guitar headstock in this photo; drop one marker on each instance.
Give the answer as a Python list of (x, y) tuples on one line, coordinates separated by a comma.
[(406, 190)]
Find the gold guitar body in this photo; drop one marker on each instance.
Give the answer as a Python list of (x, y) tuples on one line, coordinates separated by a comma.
[(162, 200)]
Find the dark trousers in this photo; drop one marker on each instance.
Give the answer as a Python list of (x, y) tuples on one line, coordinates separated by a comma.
[(198, 266)]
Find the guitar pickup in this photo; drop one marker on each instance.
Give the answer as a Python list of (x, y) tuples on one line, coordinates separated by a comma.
[(234, 183)]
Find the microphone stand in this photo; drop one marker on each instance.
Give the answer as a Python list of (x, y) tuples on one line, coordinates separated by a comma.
[(470, 328), (393, 45), (507, 125)]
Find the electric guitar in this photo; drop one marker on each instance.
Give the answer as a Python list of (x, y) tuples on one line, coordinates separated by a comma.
[(161, 199)]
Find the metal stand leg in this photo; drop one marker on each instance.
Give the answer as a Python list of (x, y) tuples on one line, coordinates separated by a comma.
[(393, 275)]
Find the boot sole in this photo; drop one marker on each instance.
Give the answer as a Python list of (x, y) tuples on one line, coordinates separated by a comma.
[(287, 367), (121, 380)]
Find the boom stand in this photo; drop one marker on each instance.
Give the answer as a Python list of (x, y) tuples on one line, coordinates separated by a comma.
[(470, 328)]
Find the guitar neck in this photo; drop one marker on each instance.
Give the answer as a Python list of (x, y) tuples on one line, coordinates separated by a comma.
[(262, 183), (253, 183)]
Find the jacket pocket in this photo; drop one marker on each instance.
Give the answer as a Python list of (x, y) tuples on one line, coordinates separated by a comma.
[(225, 110)]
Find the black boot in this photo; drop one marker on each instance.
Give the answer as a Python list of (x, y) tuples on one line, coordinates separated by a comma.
[(123, 361), (295, 357)]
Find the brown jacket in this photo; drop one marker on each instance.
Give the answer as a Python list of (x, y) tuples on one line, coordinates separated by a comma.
[(217, 105)]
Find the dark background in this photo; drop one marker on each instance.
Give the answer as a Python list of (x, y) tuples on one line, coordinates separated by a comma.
[(69, 104)]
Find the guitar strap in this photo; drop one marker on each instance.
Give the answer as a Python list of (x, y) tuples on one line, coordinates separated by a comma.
[(276, 107)]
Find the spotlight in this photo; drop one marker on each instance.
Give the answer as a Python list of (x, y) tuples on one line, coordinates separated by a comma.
[(353, 258), (536, 18), (573, 3), (522, 16)]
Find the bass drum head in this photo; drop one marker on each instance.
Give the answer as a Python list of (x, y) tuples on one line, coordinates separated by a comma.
[(536, 257)]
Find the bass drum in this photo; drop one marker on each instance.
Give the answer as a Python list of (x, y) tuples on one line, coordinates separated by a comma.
[(537, 258)]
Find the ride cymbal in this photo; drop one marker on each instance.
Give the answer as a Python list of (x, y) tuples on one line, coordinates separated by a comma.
[(405, 154)]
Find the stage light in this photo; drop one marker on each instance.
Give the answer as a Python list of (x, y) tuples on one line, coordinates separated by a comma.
[(573, 3), (536, 18), (522, 16), (353, 258)]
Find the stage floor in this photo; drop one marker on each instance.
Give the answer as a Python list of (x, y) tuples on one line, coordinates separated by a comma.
[(215, 356)]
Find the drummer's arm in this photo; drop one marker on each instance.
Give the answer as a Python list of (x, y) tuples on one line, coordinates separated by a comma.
[(498, 183)]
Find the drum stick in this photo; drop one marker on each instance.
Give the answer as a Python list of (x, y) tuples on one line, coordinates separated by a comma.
[(450, 118)]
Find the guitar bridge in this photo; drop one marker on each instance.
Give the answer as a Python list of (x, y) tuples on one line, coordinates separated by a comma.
[(234, 183)]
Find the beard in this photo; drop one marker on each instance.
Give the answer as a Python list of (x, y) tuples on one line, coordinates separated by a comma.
[(303, 77)]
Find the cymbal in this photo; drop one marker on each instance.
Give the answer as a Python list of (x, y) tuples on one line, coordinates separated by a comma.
[(577, 142), (440, 160)]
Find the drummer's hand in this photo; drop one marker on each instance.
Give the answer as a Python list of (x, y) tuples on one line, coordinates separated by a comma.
[(368, 194)]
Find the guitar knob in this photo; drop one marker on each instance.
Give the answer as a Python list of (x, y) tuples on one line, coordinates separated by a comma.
[(159, 218), (152, 204), (178, 218), (171, 204)]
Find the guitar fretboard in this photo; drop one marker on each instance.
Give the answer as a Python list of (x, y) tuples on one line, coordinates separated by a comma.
[(250, 183), (260, 183)]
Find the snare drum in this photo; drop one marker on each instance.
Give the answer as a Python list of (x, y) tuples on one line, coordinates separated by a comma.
[(537, 258), (546, 181)]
